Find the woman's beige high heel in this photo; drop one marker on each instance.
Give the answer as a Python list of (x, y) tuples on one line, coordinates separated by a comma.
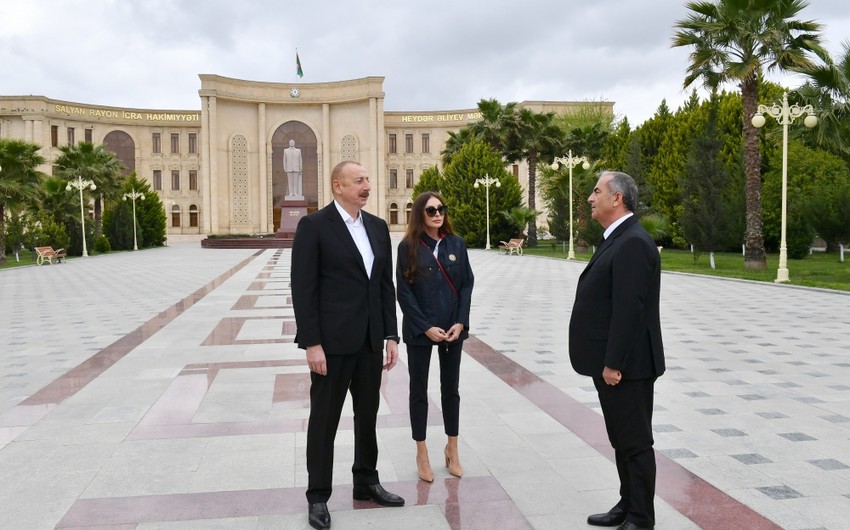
[(423, 465), (452, 459)]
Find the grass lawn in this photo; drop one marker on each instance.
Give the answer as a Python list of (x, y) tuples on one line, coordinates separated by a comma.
[(821, 269), (27, 258)]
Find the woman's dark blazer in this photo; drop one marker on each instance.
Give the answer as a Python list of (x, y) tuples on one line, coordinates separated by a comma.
[(429, 300)]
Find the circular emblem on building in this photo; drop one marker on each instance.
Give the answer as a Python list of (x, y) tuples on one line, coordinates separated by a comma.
[(294, 92)]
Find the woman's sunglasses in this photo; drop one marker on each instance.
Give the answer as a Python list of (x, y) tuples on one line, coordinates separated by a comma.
[(433, 211)]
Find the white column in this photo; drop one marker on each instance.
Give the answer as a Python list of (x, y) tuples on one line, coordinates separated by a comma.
[(262, 156), (206, 181), (215, 181), (379, 201), (325, 194), (381, 167)]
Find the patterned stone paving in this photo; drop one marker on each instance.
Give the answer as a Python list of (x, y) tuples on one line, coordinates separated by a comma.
[(161, 389)]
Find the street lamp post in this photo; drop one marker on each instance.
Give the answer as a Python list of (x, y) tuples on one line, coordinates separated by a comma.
[(785, 115), (571, 161), (487, 181), (80, 184), (133, 194)]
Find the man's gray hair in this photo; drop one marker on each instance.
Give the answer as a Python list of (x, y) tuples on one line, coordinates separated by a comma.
[(622, 183)]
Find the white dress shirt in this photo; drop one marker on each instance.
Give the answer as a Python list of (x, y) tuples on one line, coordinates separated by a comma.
[(361, 239), (613, 226)]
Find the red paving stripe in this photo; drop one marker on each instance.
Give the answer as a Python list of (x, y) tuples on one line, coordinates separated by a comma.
[(81, 375), (693, 497), (472, 502)]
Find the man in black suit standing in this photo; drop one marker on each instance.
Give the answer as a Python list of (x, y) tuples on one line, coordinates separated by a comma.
[(615, 337), (344, 301)]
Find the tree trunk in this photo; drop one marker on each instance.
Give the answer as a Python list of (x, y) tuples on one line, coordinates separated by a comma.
[(754, 255), (532, 198), (98, 217), (2, 234)]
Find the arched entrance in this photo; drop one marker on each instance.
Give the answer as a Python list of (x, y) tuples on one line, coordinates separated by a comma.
[(305, 140), (124, 148)]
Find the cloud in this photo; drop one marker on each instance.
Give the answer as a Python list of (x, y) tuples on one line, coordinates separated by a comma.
[(437, 55)]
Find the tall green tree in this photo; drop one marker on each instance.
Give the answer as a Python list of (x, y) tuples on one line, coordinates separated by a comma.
[(467, 205), (645, 145), (735, 41), (150, 212), (555, 185), (20, 180), (710, 215), (616, 152), (537, 138), (816, 183), (95, 163), (429, 180)]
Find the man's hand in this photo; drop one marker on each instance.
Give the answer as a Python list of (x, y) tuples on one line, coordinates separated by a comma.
[(436, 334), (316, 359), (611, 376), (392, 354), (454, 332)]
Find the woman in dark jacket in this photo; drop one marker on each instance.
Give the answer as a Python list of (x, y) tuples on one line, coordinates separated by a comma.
[(434, 282)]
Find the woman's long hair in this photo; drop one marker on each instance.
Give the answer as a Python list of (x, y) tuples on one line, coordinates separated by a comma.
[(416, 227)]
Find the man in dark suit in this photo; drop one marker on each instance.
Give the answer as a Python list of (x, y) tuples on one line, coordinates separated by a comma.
[(615, 338), (344, 301)]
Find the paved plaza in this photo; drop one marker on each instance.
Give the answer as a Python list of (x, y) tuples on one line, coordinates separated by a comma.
[(161, 389)]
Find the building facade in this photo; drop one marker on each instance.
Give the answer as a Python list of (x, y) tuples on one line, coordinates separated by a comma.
[(219, 170)]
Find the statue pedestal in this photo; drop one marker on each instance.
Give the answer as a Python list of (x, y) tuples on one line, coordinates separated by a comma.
[(291, 211)]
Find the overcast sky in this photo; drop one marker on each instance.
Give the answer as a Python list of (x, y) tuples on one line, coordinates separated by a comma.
[(434, 54)]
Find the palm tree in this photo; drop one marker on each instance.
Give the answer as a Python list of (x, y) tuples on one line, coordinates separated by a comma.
[(828, 91), (20, 181), (536, 137), (735, 41), (497, 123), (520, 217), (95, 163), (455, 142)]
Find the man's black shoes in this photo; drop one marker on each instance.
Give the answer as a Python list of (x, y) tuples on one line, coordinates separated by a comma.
[(319, 517), (376, 493), (614, 517), (628, 525)]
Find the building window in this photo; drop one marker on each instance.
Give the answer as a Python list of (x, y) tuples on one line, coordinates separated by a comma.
[(175, 179), (408, 178), (393, 145), (157, 179), (175, 143), (193, 143), (193, 179), (71, 136), (426, 143), (193, 216), (54, 136), (393, 179), (393, 214), (157, 143), (175, 216), (408, 210), (408, 143), (88, 133), (515, 169)]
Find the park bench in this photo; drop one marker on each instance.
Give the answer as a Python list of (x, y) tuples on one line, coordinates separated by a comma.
[(49, 255), (514, 246)]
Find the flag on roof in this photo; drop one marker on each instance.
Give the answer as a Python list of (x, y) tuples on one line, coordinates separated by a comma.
[(298, 69)]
